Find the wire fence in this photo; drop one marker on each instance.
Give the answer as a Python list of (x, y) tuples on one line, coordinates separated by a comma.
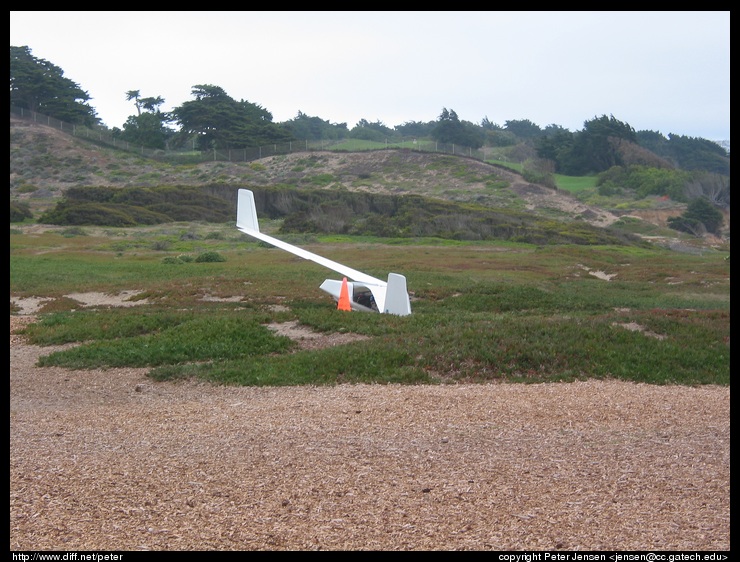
[(105, 137)]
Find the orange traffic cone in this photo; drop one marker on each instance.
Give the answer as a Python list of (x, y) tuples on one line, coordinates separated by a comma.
[(343, 303)]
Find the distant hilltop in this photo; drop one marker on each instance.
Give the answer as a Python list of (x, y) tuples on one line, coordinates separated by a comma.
[(724, 144)]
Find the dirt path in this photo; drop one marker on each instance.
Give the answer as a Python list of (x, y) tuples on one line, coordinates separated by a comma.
[(109, 460)]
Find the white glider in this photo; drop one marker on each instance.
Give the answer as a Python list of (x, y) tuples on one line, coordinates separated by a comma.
[(366, 293)]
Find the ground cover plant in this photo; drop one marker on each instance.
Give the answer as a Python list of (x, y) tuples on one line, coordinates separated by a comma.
[(482, 311)]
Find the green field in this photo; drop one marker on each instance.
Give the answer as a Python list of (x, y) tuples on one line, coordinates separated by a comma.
[(482, 311)]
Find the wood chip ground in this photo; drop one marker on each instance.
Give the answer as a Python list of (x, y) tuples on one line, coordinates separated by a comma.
[(110, 460)]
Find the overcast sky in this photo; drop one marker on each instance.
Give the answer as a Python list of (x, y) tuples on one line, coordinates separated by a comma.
[(660, 71)]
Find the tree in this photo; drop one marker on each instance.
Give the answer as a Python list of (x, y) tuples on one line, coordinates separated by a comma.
[(594, 149), (38, 85), (688, 153), (556, 147), (148, 104), (489, 126), (148, 128), (134, 95), (220, 122), (451, 130), (698, 154), (304, 127), (523, 128), (552, 129), (700, 216), (596, 143), (377, 131), (417, 129), (500, 138), (653, 141)]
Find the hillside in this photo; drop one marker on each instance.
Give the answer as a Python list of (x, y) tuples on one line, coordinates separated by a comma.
[(45, 162)]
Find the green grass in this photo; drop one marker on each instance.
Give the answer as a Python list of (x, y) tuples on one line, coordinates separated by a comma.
[(352, 145), (482, 311), (575, 184)]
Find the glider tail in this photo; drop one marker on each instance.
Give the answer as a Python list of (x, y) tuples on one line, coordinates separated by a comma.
[(246, 211), (397, 297)]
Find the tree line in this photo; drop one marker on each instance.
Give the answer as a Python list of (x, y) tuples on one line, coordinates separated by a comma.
[(645, 162), (213, 119)]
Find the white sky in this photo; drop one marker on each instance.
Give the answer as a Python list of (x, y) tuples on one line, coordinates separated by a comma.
[(660, 71)]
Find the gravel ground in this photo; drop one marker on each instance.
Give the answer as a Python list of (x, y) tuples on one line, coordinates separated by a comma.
[(110, 460)]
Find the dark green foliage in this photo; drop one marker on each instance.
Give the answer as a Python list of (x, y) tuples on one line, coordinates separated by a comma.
[(594, 149), (209, 257), (19, 211), (687, 153), (500, 138), (377, 131), (416, 129), (303, 126), (606, 127), (220, 122), (90, 214), (523, 128), (107, 206), (700, 216), (450, 130), (147, 129), (40, 86), (644, 181)]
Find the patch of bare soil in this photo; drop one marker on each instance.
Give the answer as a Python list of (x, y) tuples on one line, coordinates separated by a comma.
[(308, 339), (538, 198), (110, 460)]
